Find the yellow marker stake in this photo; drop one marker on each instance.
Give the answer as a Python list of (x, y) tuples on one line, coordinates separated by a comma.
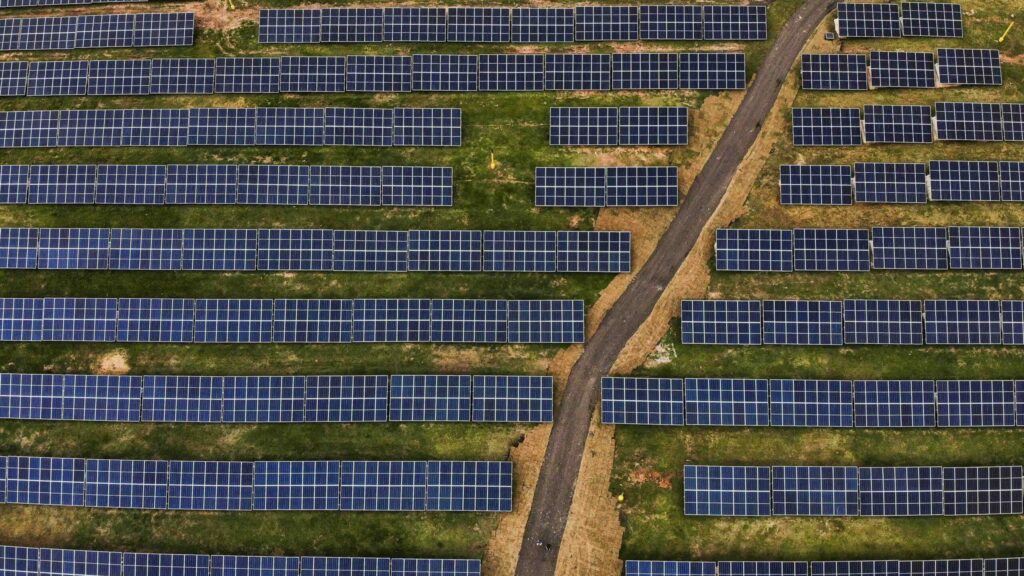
[(494, 163), (1008, 28)]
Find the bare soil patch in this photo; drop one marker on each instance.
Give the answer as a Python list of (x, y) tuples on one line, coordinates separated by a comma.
[(115, 362)]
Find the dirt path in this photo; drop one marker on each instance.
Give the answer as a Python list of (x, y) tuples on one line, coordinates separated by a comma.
[(555, 487)]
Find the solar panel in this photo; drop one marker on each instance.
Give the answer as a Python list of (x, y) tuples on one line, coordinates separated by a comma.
[(536, 25), (1011, 181), (444, 73), (198, 485), (578, 71), (13, 76), (513, 398), (898, 69), (606, 23), (289, 127), (264, 398), (430, 398), (732, 322), (371, 250), (295, 485), (951, 322), (1013, 329), (145, 249), (105, 30), (21, 319), (712, 71), (19, 247), (444, 250), (383, 486), (482, 321), (89, 398), (312, 321), (52, 33), (54, 561), (427, 127), (479, 24), (652, 401), (279, 184), (834, 72), (126, 484), (140, 564), (416, 186), (969, 67), (811, 403), (736, 568), (964, 180), (937, 19), (803, 322), (341, 566), (62, 184), (312, 74), (753, 250), (519, 251), (155, 320), (894, 403), (982, 490), (90, 128), (14, 181), (864, 20), (29, 129), (984, 248), (289, 26), (155, 127), (511, 72), (182, 398), (823, 185), (889, 322), (344, 185), (391, 320), (641, 185), (671, 22), (626, 71), (181, 76), (901, 491), (254, 565), (968, 121), (545, 322), (379, 74), (358, 126), (234, 320), (830, 250), (826, 127), (45, 481), (130, 184), (414, 25), (569, 186), (1003, 566), (584, 127), (222, 127), (897, 124), (352, 25), (430, 567), (942, 567), (909, 249), (727, 491), (58, 78), (79, 319), (741, 22), (291, 249), (1013, 122), (164, 29), (726, 402), (119, 77), (594, 251), (654, 126), (814, 491), (669, 567), (469, 486), (218, 249), (31, 397), (975, 403), (883, 182), (346, 398)]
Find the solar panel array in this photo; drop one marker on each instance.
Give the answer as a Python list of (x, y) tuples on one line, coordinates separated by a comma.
[(899, 69), (37, 3), (863, 20), (599, 187), (850, 491), (265, 321), (530, 25), (626, 126), (140, 30), (232, 127), (827, 322), (976, 566), (449, 486)]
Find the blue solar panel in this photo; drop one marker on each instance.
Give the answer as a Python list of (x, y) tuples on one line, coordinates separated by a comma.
[(445, 250), (222, 127), (21, 319), (984, 248), (416, 186), (295, 485), (139, 564), (894, 403), (578, 71), (975, 403), (535, 25), (642, 186), (909, 249), (312, 321), (58, 78), (156, 127), (1011, 180), (277, 184), (234, 320), (890, 183), (379, 74), (826, 127), (727, 491), (898, 69), (444, 73), (668, 567), (825, 185), (201, 184), (79, 319), (513, 398), (969, 67), (743, 22), (383, 486), (511, 72), (13, 76), (45, 481), (106, 31), (968, 121), (594, 251), (519, 251), (79, 562), (119, 77), (130, 184), (545, 322), (218, 249), (479, 24), (469, 486), (427, 127), (888, 322), (935, 19), (344, 185), (30, 129), (1012, 319), (102, 398), (1004, 566), (982, 490), (164, 29), (863, 20), (182, 398), (712, 71), (290, 249), (607, 23), (155, 320), (830, 250), (430, 398), (31, 397), (181, 76), (391, 320), (652, 401), (973, 567), (288, 127), (726, 402), (352, 25), (654, 126), (584, 127), (639, 71), (964, 180), (264, 398), (803, 322), (671, 22), (371, 250), (473, 321), (812, 403), (732, 322), (312, 74), (414, 25), (126, 484), (346, 398), (341, 566), (814, 491), (89, 128), (897, 124), (145, 248), (834, 72), (901, 491), (289, 26), (197, 485), (14, 180), (753, 250), (19, 248), (762, 568), (569, 186), (432, 567), (62, 184), (1013, 122), (254, 565)]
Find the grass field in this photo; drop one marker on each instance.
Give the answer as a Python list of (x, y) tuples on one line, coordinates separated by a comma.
[(649, 462)]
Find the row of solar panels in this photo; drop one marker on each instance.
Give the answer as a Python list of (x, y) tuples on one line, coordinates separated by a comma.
[(812, 403), (966, 567), (889, 69), (232, 127), (902, 183), (24, 561), (142, 30), (853, 322), (625, 126), (416, 73), (909, 124), (183, 320), (852, 491), (322, 250), (889, 20), (234, 399), (249, 184), (520, 25), (37, 3), (861, 250), (392, 486), (610, 186)]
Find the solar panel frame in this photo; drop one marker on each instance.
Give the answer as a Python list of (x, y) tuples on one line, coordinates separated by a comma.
[(62, 184), (545, 24), (444, 72), (886, 182), (671, 22), (54, 561), (145, 248), (427, 127), (14, 183), (1003, 566), (219, 249), (349, 25), (643, 401), (642, 186), (95, 128), (901, 491), (290, 26), (472, 321), (985, 248), (58, 78), (445, 250), (578, 72), (155, 127), (222, 127), (432, 566), (308, 74), (264, 399), (982, 490), (105, 30), (130, 183), (155, 320), (19, 248), (284, 249), (1012, 320), (344, 566), (803, 322), (815, 491), (583, 126), (935, 19), (182, 75), (1011, 181), (831, 250), (510, 72), (899, 69), (358, 126), (273, 184), (48, 33), (883, 322), (753, 250), (570, 186), (864, 20), (30, 397), (834, 72), (288, 127), (965, 567), (209, 485), (13, 76), (135, 484), (347, 398), (371, 250), (735, 22), (975, 403), (771, 568), (414, 25), (383, 486), (344, 185), (151, 564), (594, 251), (897, 124), (479, 24), (894, 403), (654, 126), (726, 491), (101, 398), (546, 322), (119, 77), (254, 565), (519, 251), (712, 70), (79, 319), (45, 481), (912, 248), (606, 23), (417, 186), (727, 402), (513, 398), (729, 322), (811, 403), (1013, 122), (378, 73), (164, 29), (234, 321), (969, 67), (819, 185), (430, 398), (969, 121), (21, 319), (469, 486), (391, 320), (964, 180), (312, 321), (642, 71), (826, 127), (198, 399), (962, 322)]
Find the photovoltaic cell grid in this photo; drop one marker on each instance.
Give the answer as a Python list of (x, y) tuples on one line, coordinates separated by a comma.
[(430, 398), (641, 185), (545, 321), (669, 568), (593, 251), (726, 402), (727, 490), (126, 484), (964, 180), (352, 25), (968, 121), (18, 248), (79, 319), (969, 67), (743, 22), (319, 321), (762, 568), (535, 25), (650, 401), (823, 185), (891, 183), (729, 322), (909, 249), (469, 486), (803, 322), (429, 567), (45, 481), (584, 127), (830, 250), (570, 186), (445, 250), (519, 251), (182, 398), (511, 72), (811, 403), (383, 486), (935, 19), (671, 22), (198, 485), (346, 398), (371, 250), (479, 24), (264, 398), (578, 71), (712, 70), (815, 491), (1011, 181), (897, 124), (883, 322), (155, 320), (653, 126), (296, 485), (289, 26), (826, 127), (444, 73), (513, 398), (606, 23), (416, 186), (834, 72), (901, 491), (975, 403), (414, 25), (427, 127), (290, 249), (99, 31), (638, 71), (983, 490), (897, 69), (863, 20), (753, 250), (234, 321), (894, 403), (984, 248), (254, 565)]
